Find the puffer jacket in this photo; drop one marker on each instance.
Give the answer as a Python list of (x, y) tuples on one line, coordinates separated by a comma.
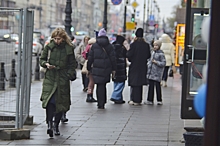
[(155, 71), (120, 53), (168, 48), (57, 80), (101, 63)]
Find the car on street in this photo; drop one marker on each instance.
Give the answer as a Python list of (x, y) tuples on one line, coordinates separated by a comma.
[(36, 49), (14, 37), (47, 41), (5, 35)]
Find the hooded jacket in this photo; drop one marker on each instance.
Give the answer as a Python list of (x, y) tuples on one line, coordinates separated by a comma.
[(168, 48), (57, 80), (155, 71), (120, 53), (101, 60)]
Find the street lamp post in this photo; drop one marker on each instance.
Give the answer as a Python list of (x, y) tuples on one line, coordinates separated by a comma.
[(40, 15), (144, 13), (105, 15), (68, 20), (125, 13)]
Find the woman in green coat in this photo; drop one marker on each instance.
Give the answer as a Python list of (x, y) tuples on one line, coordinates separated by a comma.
[(59, 60)]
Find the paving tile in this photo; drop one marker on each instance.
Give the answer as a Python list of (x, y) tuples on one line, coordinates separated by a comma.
[(88, 142), (119, 125), (142, 143)]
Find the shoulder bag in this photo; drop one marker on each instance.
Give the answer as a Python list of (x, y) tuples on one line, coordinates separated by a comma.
[(84, 68)]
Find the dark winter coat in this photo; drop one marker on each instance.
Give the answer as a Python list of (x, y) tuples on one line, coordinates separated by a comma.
[(138, 54), (99, 63), (57, 80), (120, 53), (155, 71)]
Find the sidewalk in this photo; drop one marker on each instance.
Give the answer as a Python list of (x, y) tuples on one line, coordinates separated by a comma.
[(121, 125)]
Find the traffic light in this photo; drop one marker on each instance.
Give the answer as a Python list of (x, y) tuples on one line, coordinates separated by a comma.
[(156, 25), (135, 23), (72, 29), (132, 17)]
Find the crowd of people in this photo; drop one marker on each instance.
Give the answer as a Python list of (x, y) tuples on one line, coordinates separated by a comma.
[(103, 62)]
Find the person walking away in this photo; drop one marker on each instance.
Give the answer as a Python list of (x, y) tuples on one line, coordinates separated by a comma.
[(81, 61), (101, 63), (64, 119), (137, 55), (120, 74), (154, 74), (91, 80), (60, 70), (168, 48)]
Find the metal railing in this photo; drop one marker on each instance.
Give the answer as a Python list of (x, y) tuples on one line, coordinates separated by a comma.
[(15, 92)]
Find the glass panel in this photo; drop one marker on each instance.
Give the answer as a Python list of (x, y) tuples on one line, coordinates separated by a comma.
[(196, 75), (199, 51)]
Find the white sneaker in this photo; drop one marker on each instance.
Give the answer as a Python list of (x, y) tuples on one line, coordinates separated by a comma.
[(165, 84), (148, 103), (134, 103), (130, 102), (159, 103)]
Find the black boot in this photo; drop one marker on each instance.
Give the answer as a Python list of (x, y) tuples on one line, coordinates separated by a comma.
[(58, 117), (64, 119), (50, 128), (90, 98), (56, 129)]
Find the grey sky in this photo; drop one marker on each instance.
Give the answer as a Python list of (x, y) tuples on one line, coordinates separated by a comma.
[(166, 7)]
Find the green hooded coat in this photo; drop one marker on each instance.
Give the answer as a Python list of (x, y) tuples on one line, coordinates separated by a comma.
[(57, 80)]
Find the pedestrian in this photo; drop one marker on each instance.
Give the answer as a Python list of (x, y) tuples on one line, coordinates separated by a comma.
[(137, 55), (154, 74), (101, 63), (120, 74), (90, 76), (168, 48), (59, 59), (81, 61)]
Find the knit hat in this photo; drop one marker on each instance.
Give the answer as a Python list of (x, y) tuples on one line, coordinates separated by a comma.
[(139, 32), (91, 41), (120, 39), (158, 42), (102, 32)]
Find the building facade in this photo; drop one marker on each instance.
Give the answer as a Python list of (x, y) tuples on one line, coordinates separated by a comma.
[(86, 15)]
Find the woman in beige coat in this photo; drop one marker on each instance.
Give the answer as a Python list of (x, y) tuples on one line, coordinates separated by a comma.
[(168, 48), (81, 61)]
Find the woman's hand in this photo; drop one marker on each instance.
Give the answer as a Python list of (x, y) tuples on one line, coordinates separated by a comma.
[(154, 61), (50, 66)]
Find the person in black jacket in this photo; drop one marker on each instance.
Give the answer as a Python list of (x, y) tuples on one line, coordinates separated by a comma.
[(138, 54), (101, 63), (120, 74)]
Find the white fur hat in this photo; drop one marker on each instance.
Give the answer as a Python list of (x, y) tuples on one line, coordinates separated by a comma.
[(91, 41)]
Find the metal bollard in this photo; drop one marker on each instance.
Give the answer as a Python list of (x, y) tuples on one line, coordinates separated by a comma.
[(13, 75), (2, 76), (37, 70)]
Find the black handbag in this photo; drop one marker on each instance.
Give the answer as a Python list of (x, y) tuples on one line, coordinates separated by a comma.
[(171, 73)]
